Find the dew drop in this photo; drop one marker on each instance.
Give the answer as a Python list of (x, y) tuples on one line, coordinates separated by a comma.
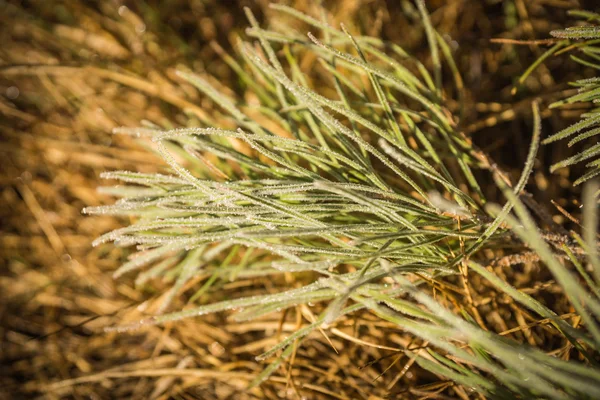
[(12, 92), (216, 349), (26, 176)]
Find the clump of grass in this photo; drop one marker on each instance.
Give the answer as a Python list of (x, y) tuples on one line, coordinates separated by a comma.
[(583, 40), (358, 179)]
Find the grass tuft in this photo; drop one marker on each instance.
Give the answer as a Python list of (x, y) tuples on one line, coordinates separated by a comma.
[(352, 178)]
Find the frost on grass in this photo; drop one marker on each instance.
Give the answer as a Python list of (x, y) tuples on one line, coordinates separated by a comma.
[(369, 189)]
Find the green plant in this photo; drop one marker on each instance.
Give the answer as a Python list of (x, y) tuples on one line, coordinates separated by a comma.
[(365, 192), (582, 39)]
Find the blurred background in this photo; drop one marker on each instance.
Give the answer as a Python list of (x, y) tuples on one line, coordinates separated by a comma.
[(72, 70)]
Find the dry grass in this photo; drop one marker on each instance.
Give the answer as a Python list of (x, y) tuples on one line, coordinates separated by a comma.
[(82, 69)]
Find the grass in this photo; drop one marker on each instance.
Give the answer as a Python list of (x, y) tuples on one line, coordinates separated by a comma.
[(356, 191), (581, 39), (345, 203)]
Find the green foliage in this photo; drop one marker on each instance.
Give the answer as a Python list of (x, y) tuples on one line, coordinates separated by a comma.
[(583, 39), (356, 176)]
